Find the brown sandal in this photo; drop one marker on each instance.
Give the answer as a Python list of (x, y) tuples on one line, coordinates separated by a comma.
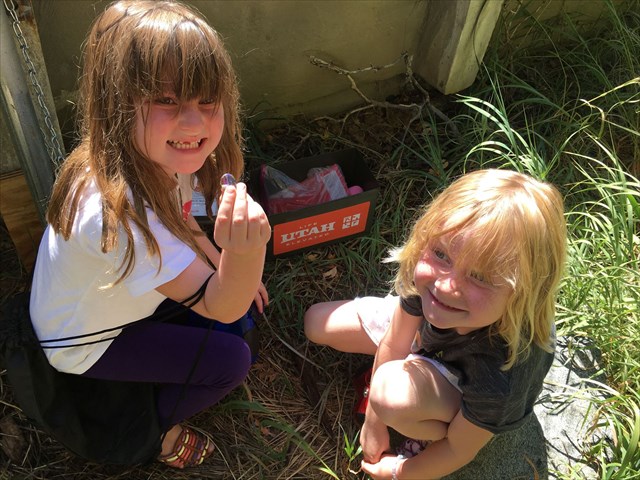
[(191, 448)]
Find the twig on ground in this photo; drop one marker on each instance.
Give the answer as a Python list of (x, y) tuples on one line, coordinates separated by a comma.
[(290, 347), (371, 103), (318, 62)]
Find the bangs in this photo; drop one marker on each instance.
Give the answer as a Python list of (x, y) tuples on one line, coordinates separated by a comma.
[(489, 238), (178, 56), (491, 248)]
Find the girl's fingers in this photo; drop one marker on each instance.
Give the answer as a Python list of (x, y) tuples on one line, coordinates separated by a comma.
[(222, 232), (264, 294), (259, 230), (265, 227), (254, 219), (262, 229), (258, 302), (240, 214), (241, 225)]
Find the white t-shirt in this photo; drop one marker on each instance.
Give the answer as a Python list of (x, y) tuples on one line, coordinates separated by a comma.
[(70, 294)]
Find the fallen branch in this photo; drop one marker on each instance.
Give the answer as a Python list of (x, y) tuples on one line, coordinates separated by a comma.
[(371, 103)]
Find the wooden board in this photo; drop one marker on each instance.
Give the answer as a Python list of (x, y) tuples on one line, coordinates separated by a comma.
[(20, 215)]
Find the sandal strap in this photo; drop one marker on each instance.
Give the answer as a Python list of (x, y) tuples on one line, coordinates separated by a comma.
[(190, 449)]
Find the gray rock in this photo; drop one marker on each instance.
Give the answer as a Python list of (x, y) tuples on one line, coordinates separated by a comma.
[(567, 407), (519, 454), (553, 439)]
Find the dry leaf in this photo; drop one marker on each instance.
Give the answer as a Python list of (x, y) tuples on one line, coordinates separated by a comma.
[(13, 443), (330, 273)]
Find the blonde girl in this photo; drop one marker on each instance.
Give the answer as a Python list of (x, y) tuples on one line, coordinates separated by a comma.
[(158, 104), (462, 351)]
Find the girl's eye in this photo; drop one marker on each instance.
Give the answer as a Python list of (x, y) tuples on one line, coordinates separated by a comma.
[(165, 101), (478, 276), (440, 254), (207, 101), (482, 279)]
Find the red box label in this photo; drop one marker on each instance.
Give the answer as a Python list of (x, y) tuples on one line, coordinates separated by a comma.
[(321, 228)]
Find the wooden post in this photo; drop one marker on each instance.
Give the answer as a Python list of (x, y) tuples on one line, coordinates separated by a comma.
[(24, 126), (28, 119), (21, 216)]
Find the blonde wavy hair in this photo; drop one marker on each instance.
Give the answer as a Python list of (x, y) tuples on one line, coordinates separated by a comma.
[(137, 50), (514, 230)]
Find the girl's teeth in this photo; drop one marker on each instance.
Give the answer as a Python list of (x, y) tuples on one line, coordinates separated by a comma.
[(184, 146)]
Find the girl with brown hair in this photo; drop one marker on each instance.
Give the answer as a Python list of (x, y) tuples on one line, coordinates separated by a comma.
[(158, 113)]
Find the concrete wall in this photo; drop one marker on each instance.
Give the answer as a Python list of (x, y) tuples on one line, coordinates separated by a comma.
[(271, 43)]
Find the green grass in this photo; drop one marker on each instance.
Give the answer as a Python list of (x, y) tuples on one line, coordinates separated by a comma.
[(573, 116), (568, 113)]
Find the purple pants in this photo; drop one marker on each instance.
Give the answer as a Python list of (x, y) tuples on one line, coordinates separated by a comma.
[(164, 354)]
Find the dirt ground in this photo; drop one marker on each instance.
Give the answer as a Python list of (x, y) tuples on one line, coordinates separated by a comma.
[(293, 415)]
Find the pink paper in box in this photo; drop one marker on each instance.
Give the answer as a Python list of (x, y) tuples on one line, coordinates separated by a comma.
[(322, 185)]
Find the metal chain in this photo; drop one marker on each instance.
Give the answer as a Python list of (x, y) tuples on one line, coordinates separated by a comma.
[(53, 145)]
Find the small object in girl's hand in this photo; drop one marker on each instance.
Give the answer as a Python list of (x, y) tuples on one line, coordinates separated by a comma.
[(355, 190), (227, 180)]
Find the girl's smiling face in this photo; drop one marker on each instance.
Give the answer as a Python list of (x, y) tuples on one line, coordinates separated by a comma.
[(178, 135), (454, 296)]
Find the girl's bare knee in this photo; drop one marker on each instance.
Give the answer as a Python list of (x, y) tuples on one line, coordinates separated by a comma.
[(313, 325), (386, 395), (409, 391)]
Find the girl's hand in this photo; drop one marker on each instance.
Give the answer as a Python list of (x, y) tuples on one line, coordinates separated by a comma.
[(374, 438), (380, 470), (262, 298), (241, 225)]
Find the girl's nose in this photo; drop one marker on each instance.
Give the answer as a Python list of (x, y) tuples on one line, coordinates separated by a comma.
[(190, 117), (448, 283)]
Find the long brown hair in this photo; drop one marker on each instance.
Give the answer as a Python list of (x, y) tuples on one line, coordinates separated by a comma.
[(515, 230), (138, 50)]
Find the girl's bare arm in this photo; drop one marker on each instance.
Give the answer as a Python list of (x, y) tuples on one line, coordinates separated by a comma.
[(395, 345), (203, 241), (463, 442), (440, 458), (261, 298), (242, 232)]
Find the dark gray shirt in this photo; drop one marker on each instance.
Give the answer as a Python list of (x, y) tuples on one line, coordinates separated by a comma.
[(492, 399)]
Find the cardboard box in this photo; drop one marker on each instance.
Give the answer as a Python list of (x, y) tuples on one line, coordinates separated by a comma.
[(352, 216)]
